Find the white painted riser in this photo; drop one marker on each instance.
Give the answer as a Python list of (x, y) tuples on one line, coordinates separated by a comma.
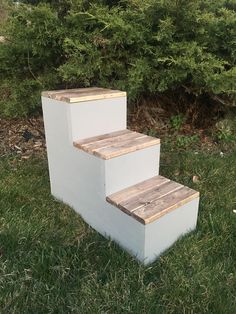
[(93, 118), (129, 169)]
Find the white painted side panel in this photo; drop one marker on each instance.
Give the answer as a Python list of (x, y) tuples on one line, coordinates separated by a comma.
[(83, 179), (112, 223), (56, 123), (98, 117), (163, 232), (83, 189), (78, 179), (132, 168)]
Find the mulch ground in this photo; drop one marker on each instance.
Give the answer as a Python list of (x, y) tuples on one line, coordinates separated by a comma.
[(24, 137)]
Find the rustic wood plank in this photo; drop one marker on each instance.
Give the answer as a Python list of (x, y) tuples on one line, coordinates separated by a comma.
[(150, 196), (150, 212), (127, 147), (102, 137), (83, 94), (151, 199), (95, 97), (54, 93), (113, 142), (134, 191)]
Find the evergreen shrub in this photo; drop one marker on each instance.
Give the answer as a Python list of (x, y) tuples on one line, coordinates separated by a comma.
[(144, 47)]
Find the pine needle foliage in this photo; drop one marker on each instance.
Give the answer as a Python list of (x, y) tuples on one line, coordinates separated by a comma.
[(144, 47)]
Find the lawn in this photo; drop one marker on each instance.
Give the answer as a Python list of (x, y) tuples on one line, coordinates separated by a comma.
[(53, 262)]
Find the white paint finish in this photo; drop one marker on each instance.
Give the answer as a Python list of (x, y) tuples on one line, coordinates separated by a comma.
[(98, 117), (114, 224), (67, 165), (131, 168), (57, 138), (78, 179), (162, 233), (87, 197), (82, 181)]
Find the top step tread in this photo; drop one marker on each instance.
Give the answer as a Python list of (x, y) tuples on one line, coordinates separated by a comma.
[(153, 198), (83, 94), (115, 144)]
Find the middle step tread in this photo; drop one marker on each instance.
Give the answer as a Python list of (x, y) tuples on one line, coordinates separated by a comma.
[(152, 198), (115, 144)]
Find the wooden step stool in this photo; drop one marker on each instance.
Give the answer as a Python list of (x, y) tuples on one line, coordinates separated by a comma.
[(110, 175)]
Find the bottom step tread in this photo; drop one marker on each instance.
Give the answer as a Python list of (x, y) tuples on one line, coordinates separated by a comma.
[(151, 199)]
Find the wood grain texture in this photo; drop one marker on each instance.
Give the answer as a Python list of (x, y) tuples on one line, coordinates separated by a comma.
[(116, 144), (83, 94), (134, 191), (112, 141), (102, 137), (156, 209), (153, 198), (147, 197)]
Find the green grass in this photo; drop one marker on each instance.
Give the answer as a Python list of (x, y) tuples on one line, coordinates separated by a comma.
[(52, 262)]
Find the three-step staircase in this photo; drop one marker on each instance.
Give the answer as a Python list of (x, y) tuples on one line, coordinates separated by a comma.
[(110, 175)]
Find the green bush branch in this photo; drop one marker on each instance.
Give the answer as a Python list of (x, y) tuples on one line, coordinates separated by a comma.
[(140, 46)]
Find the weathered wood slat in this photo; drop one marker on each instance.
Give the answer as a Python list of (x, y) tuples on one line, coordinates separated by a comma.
[(116, 144), (151, 199), (53, 93), (113, 141), (100, 138), (135, 190), (120, 142), (154, 210), (150, 196), (127, 147), (83, 94)]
